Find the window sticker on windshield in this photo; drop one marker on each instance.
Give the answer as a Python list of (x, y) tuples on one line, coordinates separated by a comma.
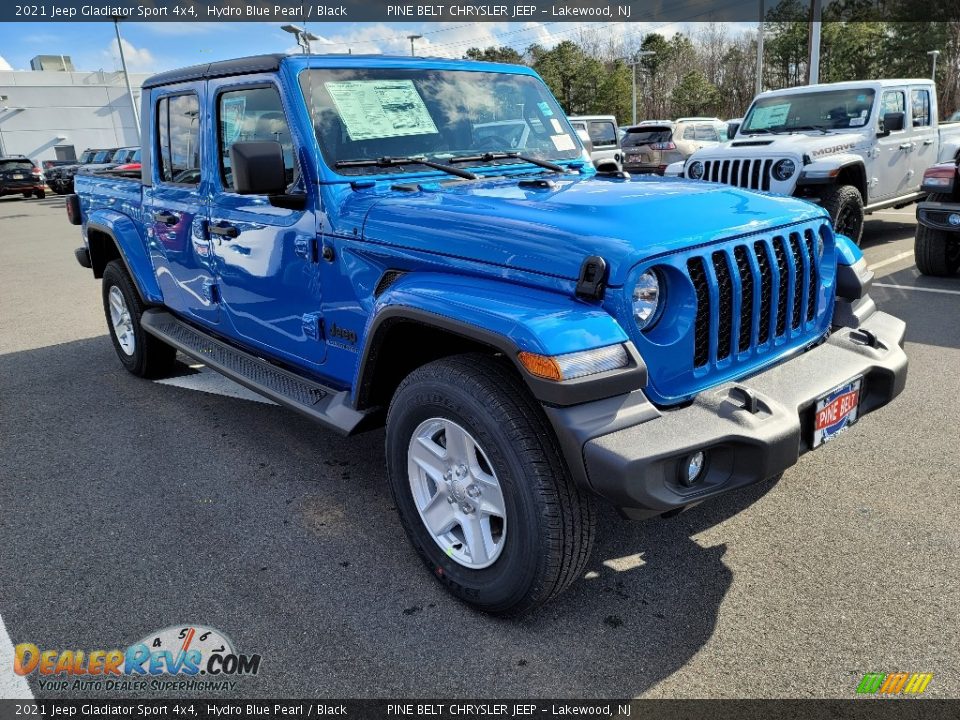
[(545, 108), (232, 112), (858, 121), (374, 109), (557, 127), (563, 142), (772, 116)]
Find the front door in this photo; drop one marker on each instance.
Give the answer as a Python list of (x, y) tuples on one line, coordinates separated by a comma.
[(174, 206), (267, 256), (890, 169)]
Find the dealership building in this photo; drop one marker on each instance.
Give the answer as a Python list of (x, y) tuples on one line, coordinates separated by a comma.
[(53, 112)]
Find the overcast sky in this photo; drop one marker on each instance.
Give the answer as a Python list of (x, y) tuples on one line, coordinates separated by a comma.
[(152, 47)]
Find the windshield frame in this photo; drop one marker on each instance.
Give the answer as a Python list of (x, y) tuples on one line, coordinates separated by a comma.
[(791, 97), (327, 171)]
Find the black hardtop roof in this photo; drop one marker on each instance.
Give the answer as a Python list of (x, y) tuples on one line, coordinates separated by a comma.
[(222, 68)]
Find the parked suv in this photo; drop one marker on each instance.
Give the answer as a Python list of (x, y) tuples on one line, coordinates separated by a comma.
[(20, 176), (651, 146), (61, 178), (535, 334), (937, 241), (604, 136)]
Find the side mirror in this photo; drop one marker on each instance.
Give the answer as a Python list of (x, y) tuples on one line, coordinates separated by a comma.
[(892, 122), (732, 129), (257, 168)]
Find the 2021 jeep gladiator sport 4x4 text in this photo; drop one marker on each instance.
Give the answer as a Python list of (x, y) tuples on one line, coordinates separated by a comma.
[(332, 232), (853, 147)]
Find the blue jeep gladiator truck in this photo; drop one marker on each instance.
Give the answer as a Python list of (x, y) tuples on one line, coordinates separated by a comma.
[(350, 237)]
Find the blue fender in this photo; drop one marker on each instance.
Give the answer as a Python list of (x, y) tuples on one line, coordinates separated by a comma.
[(847, 251), (132, 249), (510, 318)]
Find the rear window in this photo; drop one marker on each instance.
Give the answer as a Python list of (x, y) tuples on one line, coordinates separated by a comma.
[(707, 133), (647, 137), (16, 165)]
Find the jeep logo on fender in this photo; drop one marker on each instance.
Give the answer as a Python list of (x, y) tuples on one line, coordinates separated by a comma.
[(342, 333)]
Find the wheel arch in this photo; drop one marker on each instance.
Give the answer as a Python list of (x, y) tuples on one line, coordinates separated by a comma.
[(116, 238)]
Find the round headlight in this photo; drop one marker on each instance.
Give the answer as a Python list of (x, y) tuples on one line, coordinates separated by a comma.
[(646, 299), (784, 170), (695, 171)]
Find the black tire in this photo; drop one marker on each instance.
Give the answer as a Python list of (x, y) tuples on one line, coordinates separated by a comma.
[(27, 194), (845, 205), (549, 521), (151, 358), (937, 252), (41, 194)]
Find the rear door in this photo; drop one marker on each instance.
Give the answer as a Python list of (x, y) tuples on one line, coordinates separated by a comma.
[(604, 136), (890, 169), (924, 130), (175, 203), (267, 256)]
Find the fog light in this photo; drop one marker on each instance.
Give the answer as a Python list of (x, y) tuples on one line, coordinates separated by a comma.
[(692, 468)]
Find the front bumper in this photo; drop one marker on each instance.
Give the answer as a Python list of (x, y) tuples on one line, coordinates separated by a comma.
[(630, 452), (938, 215)]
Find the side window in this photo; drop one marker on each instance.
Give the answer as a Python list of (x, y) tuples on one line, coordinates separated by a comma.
[(689, 133), (707, 133), (893, 101), (920, 102), (602, 134), (178, 141), (252, 115)]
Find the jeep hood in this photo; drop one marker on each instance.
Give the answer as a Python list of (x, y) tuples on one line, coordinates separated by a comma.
[(551, 230), (814, 144)]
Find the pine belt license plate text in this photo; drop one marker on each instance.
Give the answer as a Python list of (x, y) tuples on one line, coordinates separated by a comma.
[(836, 411)]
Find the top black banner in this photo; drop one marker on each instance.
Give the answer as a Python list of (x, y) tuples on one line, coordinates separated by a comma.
[(595, 11)]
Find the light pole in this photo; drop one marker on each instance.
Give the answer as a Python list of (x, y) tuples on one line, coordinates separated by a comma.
[(411, 38), (814, 65), (303, 37), (934, 54), (633, 65), (126, 77), (760, 52)]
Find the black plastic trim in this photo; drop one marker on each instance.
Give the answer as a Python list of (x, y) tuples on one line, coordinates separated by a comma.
[(927, 211), (83, 257), (854, 281), (570, 392)]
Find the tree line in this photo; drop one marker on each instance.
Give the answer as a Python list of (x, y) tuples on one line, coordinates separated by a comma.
[(712, 71)]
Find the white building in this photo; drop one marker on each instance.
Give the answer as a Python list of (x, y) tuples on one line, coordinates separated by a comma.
[(57, 115)]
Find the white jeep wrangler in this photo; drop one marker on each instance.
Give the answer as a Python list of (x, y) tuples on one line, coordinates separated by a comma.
[(852, 147)]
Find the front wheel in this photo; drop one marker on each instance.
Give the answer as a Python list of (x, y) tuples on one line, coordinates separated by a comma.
[(481, 487), (845, 205), (141, 353), (41, 194)]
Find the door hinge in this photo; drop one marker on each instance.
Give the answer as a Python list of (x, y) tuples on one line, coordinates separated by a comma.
[(306, 247), (313, 325), (211, 291)]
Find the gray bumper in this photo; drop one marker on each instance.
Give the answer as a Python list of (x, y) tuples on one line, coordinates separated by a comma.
[(630, 452)]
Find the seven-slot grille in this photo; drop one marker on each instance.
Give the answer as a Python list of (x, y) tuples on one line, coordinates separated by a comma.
[(751, 174), (752, 292)]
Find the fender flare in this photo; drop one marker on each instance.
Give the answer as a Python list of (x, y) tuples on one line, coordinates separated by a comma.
[(818, 172), (123, 231), (508, 320)]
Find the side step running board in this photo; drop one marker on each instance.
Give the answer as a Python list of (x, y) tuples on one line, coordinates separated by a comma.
[(327, 406)]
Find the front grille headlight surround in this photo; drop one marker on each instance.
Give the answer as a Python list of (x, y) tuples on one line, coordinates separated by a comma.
[(695, 170), (783, 170)]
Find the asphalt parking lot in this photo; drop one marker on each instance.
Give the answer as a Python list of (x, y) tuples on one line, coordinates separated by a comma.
[(128, 506)]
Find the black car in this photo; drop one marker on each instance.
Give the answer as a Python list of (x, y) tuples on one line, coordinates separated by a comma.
[(19, 175), (60, 179)]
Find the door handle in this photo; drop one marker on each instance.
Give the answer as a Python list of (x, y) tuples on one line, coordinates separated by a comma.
[(227, 231), (928, 142), (167, 218), (906, 146)]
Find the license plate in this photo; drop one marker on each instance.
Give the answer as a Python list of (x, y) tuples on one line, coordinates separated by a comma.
[(18, 177), (836, 411)]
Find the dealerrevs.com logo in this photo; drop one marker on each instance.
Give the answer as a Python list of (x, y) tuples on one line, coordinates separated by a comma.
[(178, 658)]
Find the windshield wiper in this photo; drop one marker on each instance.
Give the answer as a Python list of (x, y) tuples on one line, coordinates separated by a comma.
[(489, 156), (799, 128), (401, 161)]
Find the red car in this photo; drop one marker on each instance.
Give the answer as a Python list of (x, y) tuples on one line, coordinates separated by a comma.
[(20, 176)]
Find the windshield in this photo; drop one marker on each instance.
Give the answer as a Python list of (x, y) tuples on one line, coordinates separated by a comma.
[(647, 136), (366, 114), (87, 156), (102, 156), (824, 110)]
